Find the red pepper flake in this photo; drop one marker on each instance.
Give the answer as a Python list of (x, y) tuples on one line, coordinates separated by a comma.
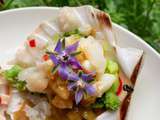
[(0, 100), (45, 57), (119, 90), (32, 43)]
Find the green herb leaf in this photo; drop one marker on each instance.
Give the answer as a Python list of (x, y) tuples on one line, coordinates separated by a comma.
[(75, 53), (55, 68)]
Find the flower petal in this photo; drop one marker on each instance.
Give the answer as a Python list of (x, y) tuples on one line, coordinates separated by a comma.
[(58, 47), (74, 63), (90, 89), (72, 48), (73, 77), (54, 59), (63, 71), (87, 77), (71, 85), (78, 96)]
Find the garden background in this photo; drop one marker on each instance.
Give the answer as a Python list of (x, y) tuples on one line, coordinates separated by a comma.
[(142, 17)]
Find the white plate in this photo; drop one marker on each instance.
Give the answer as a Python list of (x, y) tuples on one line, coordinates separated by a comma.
[(16, 24)]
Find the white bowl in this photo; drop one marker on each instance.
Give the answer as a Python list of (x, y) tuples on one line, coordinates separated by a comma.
[(16, 24)]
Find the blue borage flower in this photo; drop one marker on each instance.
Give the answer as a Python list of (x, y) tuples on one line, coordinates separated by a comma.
[(65, 63), (64, 59), (81, 84)]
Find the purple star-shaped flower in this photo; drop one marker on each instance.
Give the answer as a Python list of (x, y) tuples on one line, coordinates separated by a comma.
[(64, 59), (81, 84)]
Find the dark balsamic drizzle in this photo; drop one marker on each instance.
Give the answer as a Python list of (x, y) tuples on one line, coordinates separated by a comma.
[(124, 107)]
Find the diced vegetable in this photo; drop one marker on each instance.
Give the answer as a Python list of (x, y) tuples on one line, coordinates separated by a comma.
[(60, 103), (109, 101), (11, 76), (112, 101), (12, 73), (73, 115), (32, 43), (45, 57), (119, 90), (111, 67), (20, 85)]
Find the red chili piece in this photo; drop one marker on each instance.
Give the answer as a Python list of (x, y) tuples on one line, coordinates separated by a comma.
[(45, 57), (119, 90), (32, 43), (0, 100)]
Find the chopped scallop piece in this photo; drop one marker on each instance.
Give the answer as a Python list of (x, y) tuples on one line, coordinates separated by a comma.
[(39, 112), (129, 58), (87, 65), (23, 58), (36, 79), (60, 103), (41, 32), (34, 98), (67, 19), (40, 45), (51, 28), (85, 30), (15, 103), (45, 66), (93, 51), (40, 41), (104, 83), (4, 99)]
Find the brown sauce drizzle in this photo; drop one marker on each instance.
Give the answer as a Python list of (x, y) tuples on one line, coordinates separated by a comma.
[(126, 101), (124, 107), (135, 73)]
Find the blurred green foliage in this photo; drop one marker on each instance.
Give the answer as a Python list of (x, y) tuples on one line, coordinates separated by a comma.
[(142, 17)]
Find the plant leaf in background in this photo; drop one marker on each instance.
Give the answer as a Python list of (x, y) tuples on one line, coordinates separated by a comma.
[(142, 17)]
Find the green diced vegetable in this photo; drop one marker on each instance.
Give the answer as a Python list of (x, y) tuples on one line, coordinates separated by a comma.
[(13, 72), (11, 76), (112, 101), (20, 85), (114, 86), (111, 67)]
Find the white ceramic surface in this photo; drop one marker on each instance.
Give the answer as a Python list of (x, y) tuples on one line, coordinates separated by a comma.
[(15, 25)]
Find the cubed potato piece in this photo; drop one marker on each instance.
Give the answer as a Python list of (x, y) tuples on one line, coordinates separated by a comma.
[(73, 115), (61, 103)]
